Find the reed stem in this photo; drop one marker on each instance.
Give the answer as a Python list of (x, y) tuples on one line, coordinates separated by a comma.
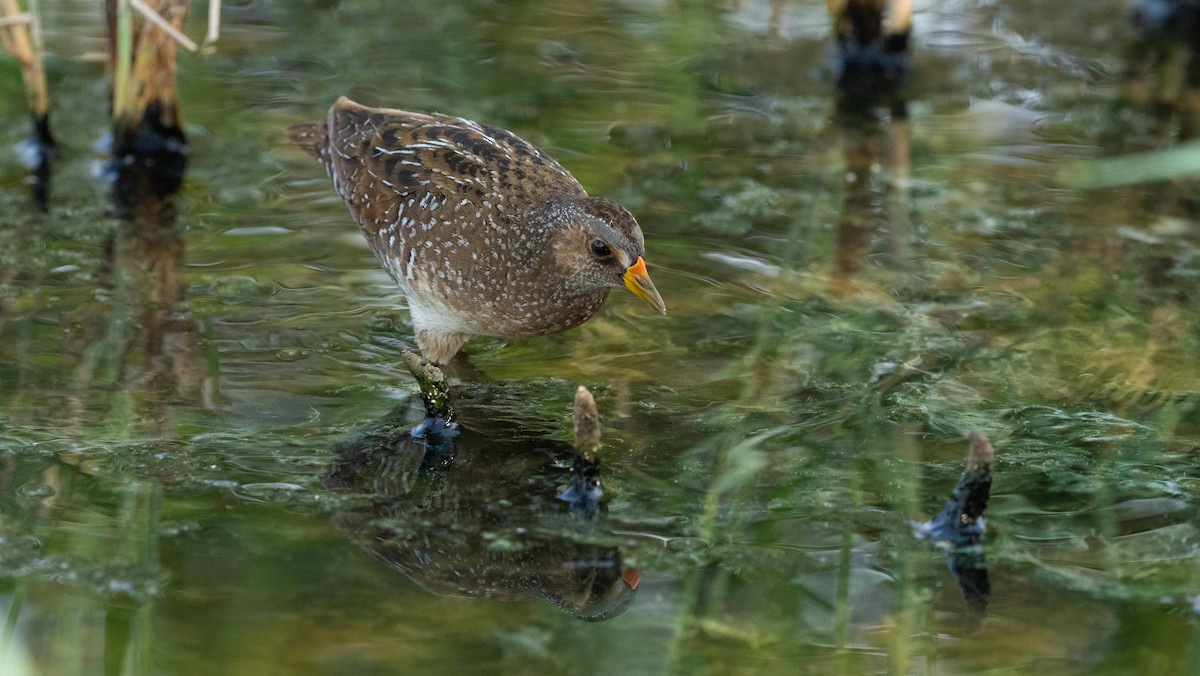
[(124, 60), (21, 35)]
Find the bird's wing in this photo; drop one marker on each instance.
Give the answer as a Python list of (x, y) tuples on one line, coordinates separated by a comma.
[(402, 169)]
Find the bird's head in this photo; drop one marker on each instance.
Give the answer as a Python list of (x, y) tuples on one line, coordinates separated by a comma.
[(599, 245)]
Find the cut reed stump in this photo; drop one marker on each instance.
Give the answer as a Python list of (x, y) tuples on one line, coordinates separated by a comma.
[(21, 36), (583, 493)]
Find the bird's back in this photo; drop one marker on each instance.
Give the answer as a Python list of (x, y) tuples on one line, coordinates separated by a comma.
[(398, 170), (433, 192)]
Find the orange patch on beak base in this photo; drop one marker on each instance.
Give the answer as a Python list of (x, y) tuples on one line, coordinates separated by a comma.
[(638, 281), (632, 577)]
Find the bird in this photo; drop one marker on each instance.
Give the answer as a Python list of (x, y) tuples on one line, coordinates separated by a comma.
[(485, 233)]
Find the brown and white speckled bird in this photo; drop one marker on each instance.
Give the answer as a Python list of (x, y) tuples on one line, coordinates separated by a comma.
[(484, 232)]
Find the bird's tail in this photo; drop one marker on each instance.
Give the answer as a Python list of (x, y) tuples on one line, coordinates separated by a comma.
[(312, 137)]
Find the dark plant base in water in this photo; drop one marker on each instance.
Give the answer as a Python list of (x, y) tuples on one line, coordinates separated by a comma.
[(148, 160), (869, 77), (40, 152), (1162, 67), (872, 66), (437, 435), (1175, 17), (959, 528), (582, 493)]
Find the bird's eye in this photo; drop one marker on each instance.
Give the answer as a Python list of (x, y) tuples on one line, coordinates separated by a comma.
[(601, 249)]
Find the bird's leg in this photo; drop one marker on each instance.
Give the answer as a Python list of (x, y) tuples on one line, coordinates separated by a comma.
[(439, 348)]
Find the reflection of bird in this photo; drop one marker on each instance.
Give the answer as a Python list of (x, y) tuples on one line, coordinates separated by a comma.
[(485, 233), (488, 519)]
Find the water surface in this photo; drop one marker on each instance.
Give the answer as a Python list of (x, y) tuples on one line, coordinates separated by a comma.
[(174, 486)]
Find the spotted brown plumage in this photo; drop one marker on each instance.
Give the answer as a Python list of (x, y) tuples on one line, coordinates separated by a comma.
[(485, 233)]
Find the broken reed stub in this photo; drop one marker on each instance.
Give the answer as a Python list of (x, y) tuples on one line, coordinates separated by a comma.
[(959, 528), (583, 493), (587, 424), (960, 524), (980, 453), (974, 488)]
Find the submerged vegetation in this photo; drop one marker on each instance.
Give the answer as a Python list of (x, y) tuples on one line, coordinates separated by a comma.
[(180, 406)]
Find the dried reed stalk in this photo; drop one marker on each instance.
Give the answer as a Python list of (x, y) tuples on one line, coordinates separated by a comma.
[(21, 35), (144, 38)]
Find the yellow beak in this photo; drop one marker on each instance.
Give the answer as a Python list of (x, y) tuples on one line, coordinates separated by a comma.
[(638, 281)]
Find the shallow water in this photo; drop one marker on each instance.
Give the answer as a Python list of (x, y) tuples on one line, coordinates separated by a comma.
[(225, 484)]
